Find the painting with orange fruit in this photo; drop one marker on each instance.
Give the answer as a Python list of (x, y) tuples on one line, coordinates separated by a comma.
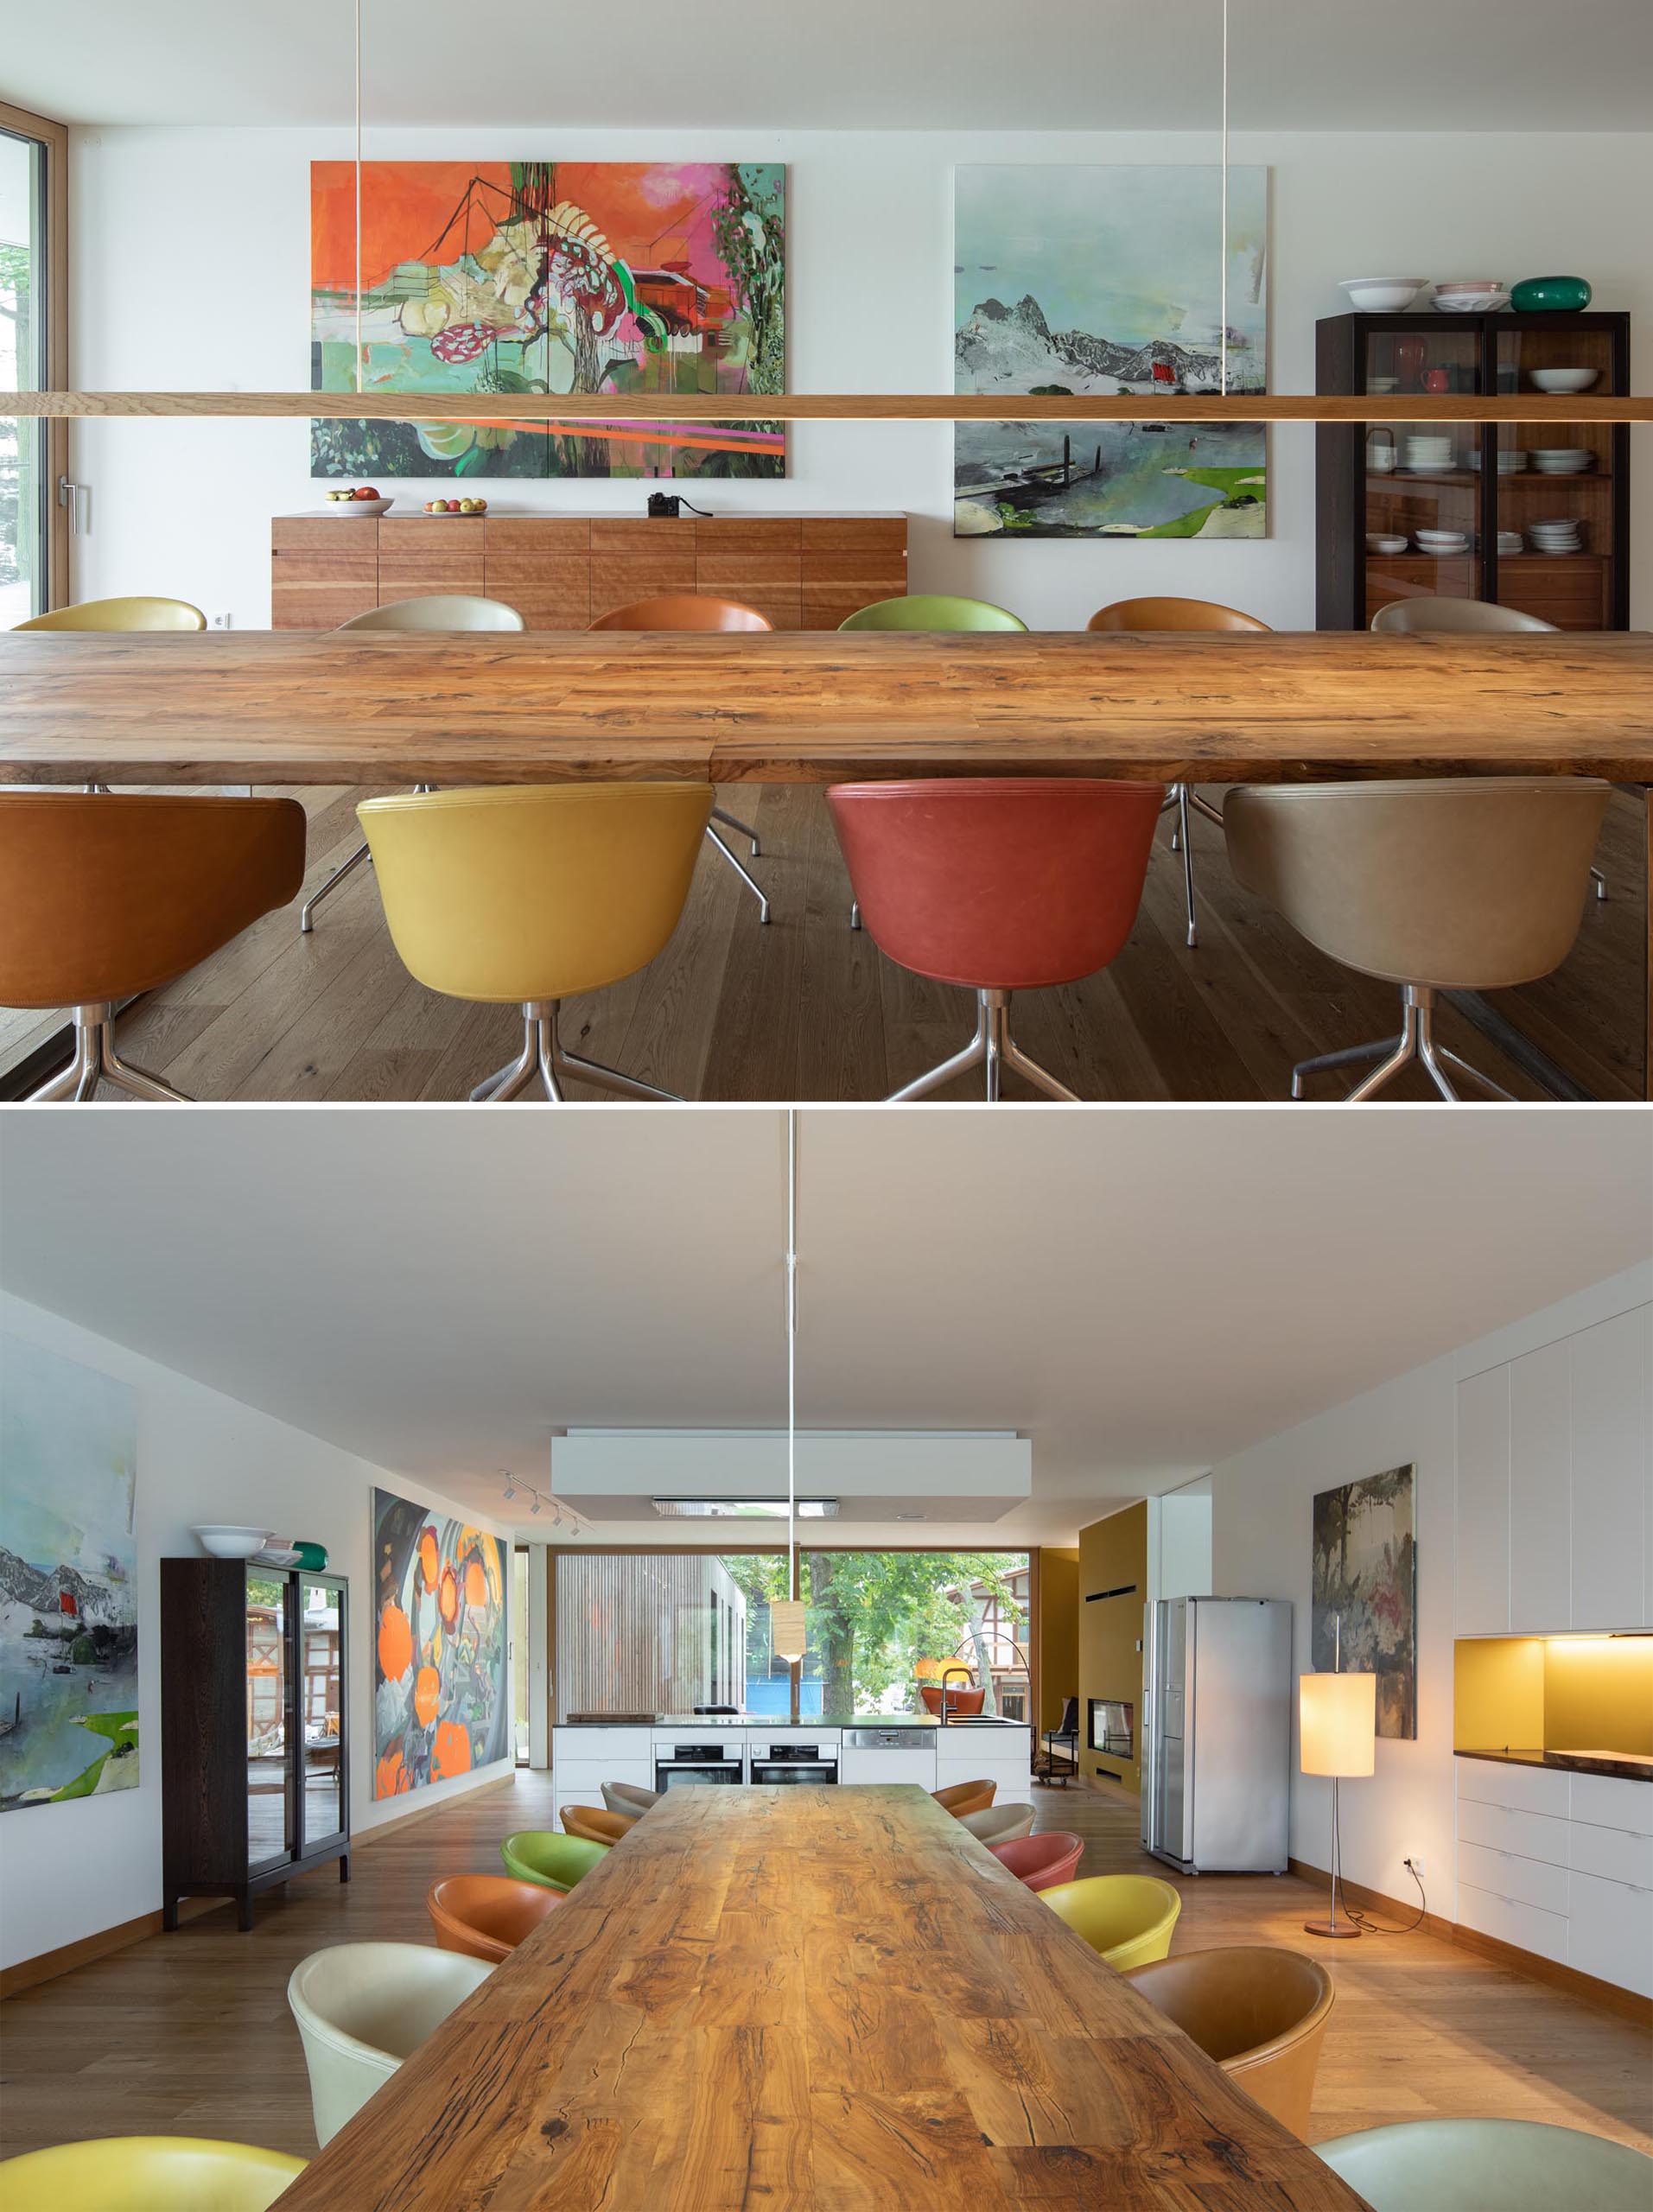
[(440, 1703), (639, 278)]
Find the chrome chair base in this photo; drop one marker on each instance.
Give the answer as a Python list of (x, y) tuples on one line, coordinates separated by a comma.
[(1599, 882), (993, 1048), (750, 881), (1188, 801), (734, 822), (543, 1062), (306, 922), (1415, 1042), (97, 1061)]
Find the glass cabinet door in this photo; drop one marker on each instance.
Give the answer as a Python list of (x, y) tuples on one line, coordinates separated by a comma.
[(1422, 509), (270, 1838), (1554, 490), (320, 1708)]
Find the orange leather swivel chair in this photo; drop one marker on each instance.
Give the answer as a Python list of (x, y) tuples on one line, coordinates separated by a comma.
[(1261, 2013), (689, 610), (1151, 614), (105, 895), (592, 1825), (486, 1915), (962, 1797)]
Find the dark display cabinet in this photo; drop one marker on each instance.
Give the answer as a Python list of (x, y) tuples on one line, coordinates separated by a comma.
[(1530, 515), (254, 1752)]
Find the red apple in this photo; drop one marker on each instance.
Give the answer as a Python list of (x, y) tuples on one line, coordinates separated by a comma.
[(367, 492)]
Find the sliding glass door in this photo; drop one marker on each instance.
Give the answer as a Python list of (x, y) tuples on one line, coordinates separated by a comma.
[(34, 455)]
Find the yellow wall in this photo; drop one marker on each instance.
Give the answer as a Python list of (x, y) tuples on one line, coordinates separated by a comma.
[(1059, 1632), (1558, 1693), (1113, 1553)]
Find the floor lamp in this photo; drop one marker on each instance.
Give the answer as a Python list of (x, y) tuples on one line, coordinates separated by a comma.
[(1336, 1730)]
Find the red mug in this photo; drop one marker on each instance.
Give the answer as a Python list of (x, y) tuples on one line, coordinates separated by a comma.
[(1438, 380)]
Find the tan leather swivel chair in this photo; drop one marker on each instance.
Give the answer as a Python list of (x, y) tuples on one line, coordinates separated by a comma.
[(102, 896), (1163, 613), (1261, 2013), (1462, 883), (595, 1824)]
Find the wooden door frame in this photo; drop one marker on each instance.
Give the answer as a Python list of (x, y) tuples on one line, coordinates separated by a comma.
[(55, 137)]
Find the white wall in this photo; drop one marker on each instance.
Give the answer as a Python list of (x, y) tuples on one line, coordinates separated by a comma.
[(94, 1862), (1261, 1505), (191, 256), (1185, 1545)]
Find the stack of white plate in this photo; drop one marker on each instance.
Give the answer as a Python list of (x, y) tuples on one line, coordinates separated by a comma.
[(1509, 543), (1470, 295), (1430, 456), (1556, 537), (1562, 461), (1442, 543)]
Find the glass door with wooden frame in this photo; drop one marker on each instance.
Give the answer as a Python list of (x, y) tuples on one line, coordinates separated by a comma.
[(34, 455)]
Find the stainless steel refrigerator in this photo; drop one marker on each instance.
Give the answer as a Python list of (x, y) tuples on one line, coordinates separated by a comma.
[(1217, 1734)]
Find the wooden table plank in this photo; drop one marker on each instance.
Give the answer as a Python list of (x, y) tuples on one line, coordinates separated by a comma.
[(380, 708), (794, 1997)]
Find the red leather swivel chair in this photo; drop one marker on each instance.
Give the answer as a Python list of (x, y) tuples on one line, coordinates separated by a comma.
[(1001, 884)]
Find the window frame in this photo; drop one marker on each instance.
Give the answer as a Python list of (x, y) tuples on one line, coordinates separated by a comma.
[(53, 138)]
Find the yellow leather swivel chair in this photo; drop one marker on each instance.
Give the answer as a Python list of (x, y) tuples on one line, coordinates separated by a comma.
[(148, 2173), (1126, 1917), (120, 615), (528, 896)]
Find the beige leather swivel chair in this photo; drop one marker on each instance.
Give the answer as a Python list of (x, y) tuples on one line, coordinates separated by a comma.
[(1463, 883)]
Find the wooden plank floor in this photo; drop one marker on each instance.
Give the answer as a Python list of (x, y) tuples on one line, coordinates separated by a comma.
[(808, 1009), (190, 2034)]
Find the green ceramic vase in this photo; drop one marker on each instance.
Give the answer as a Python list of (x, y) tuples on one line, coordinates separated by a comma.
[(1534, 295)]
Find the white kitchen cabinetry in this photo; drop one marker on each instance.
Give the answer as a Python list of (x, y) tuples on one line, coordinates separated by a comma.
[(582, 1759), (1483, 1606), (1558, 1864), (860, 1766), (1611, 1464), (1003, 1756), (1539, 1586), (1555, 1486)]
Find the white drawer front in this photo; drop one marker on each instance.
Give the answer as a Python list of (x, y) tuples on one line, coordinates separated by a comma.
[(1611, 1852), (1607, 1803), (1610, 1932), (596, 1745), (1526, 1788), (579, 1782), (858, 1766), (1526, 1926), (1528, 1835), (1527, 1881)]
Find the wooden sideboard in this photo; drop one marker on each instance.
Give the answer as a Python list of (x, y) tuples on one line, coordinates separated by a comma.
[(804, 572)]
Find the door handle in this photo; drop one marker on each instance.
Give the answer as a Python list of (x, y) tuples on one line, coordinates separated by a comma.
[(69, 495)]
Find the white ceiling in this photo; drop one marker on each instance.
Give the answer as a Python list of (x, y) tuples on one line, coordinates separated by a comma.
[(918, 65), (1141, 1293)]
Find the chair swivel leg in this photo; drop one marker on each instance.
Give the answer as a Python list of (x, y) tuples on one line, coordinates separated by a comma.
[(1182, 800), (1415, 1042), (993, 1049), (1599, 882), (750, 881), (96, 1061), (545, 1063), (347, 867), (734, 822)]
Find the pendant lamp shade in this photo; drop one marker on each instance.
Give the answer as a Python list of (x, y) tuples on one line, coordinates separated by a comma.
[(1337, 1724), (787, 1631)]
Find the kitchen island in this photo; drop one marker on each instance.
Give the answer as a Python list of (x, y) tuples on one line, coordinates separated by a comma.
[(661, 1750), (787, 1999)]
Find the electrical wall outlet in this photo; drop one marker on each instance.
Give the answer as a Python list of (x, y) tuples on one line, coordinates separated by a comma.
[(223, 621), (1414, 1864)]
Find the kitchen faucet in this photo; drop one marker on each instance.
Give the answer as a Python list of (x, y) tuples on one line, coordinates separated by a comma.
[(953, 1667)]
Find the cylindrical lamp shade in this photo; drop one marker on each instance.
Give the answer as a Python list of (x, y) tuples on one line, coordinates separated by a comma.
[(1337, 1724), (787, 1631)]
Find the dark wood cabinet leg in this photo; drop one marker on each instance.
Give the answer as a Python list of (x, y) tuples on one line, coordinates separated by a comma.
[(244, 1910), (169, 1914), (343, 1866)]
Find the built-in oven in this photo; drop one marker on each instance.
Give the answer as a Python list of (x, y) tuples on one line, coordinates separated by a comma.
[(677, 1763), (794, 1763)]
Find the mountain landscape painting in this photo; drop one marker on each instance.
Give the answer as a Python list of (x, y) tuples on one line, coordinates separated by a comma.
[(638, 279), (1101, 281), (68, 1566)]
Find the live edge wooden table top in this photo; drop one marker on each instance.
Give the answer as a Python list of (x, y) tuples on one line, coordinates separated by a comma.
[(299, 707), (831, 1999)]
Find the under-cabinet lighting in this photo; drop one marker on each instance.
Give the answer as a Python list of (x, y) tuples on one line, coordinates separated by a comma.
[(744, 1509)]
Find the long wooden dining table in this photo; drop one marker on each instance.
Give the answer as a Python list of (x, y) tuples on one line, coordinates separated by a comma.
[(775, 1998), (385, 708)]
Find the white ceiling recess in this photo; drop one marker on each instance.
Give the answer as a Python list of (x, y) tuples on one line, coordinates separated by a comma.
[(1138, 1293), (922, 64), (909, 1475)]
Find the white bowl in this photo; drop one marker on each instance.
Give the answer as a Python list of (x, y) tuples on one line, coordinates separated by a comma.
[(1471, 302), (226, 1543), (355, 506), (1469, 284), (1381, 295), (1377, 542), (1564, 380)]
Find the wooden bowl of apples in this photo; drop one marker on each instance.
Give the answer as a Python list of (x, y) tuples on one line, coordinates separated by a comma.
[(363, 500), (466, 506)]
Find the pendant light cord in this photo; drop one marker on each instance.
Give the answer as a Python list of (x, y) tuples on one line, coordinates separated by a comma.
[(792, 1351), (360, 376), (1222, 264)]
